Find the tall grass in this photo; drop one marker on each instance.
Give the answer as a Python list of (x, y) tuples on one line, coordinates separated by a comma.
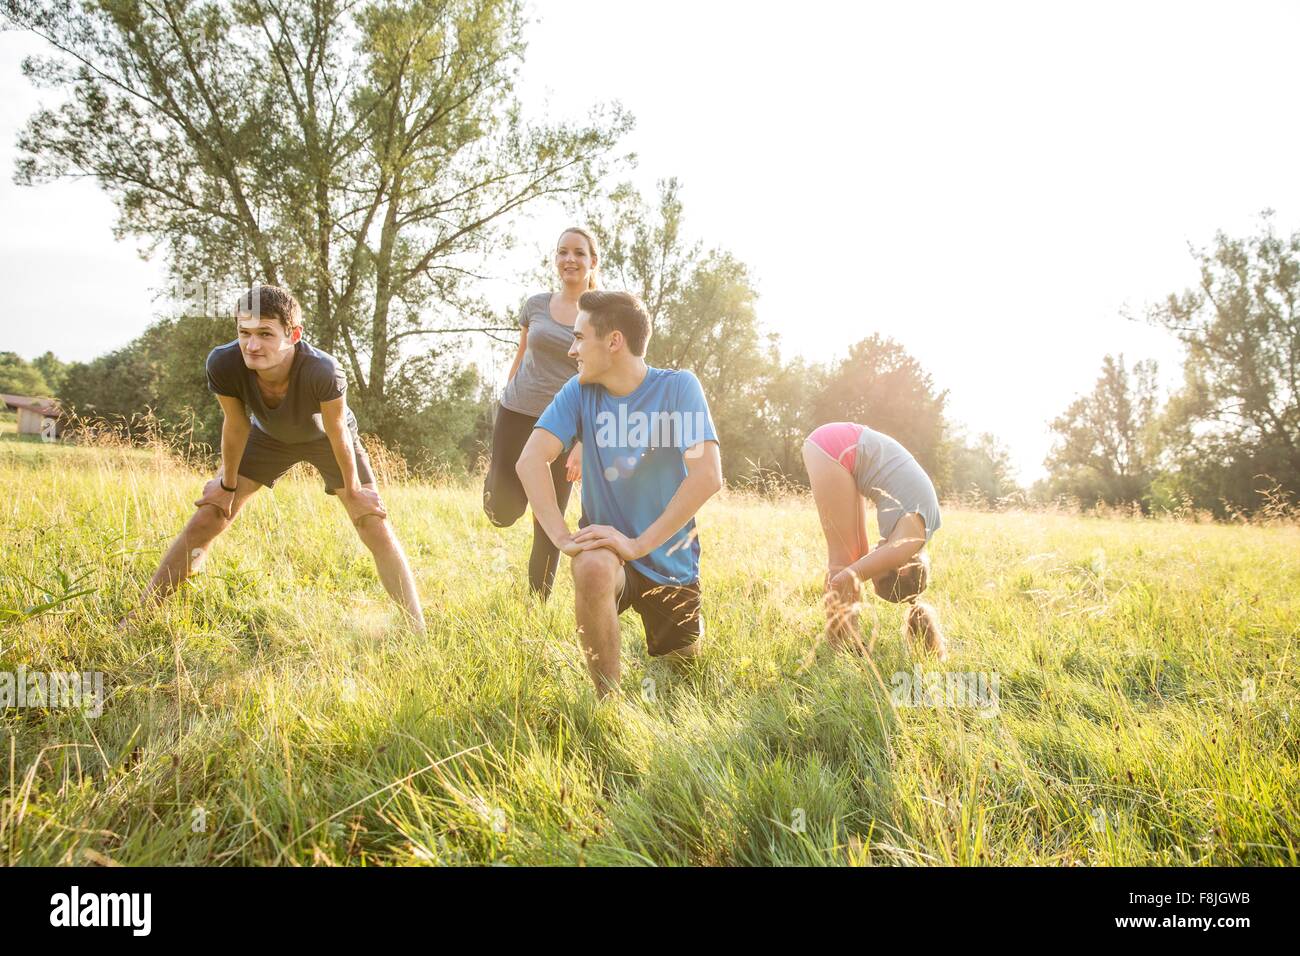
[(274, 712)]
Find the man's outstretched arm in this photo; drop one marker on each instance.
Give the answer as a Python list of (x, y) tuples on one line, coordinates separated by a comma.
[(703, 481), (235, 429), (334, 416), (534, 470)]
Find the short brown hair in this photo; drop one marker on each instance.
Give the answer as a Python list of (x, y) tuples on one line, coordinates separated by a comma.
[(618, 310), (273, 302)]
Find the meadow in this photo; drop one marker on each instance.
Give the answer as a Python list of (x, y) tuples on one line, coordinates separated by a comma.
[(275, 712)]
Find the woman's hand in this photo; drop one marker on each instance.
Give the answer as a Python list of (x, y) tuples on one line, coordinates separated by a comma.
[(573, 467), (842, 597), (842, 588)]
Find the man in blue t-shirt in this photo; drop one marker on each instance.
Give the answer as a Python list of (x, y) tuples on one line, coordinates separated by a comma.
[(650, 460)]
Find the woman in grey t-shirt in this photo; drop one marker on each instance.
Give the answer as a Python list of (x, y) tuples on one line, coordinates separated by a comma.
[(541, 366), (849, 464)]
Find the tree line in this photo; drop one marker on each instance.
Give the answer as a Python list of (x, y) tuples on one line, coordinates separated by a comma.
[(375, 162), (1228, 439)]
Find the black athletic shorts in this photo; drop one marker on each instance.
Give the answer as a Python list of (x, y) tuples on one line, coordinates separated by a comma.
[(670, 612), (266, 459)]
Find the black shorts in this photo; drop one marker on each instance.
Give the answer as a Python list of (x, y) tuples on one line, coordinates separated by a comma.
[(670, 612), (266, 459)]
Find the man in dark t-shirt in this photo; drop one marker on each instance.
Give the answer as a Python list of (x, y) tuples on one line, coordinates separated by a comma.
[(284, 402)]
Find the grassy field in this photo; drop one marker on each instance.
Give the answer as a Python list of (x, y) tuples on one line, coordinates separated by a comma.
[(274, 712)]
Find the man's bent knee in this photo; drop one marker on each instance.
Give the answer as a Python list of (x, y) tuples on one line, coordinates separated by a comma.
[(208, 522), (682, 653), (595, 571), (373, 530)]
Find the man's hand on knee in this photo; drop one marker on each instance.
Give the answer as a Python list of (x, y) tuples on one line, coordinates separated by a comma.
[(218, 497), (362, 502)]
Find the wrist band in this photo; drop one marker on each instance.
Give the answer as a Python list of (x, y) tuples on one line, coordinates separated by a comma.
[(224, 488)]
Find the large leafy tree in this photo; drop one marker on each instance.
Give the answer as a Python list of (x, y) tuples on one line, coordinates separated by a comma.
[(883, 387), (365, 154), (1107, 443), (703, 308), (981, 469), (1234, 428), (20, 377)]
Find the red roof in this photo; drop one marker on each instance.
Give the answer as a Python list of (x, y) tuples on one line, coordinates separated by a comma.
[(41, 406)]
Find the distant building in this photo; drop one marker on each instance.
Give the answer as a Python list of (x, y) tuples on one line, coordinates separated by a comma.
[(36, 416)]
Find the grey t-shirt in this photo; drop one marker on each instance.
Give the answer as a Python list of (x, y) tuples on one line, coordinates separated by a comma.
[(314, 377), (546, 365), (894, 480)]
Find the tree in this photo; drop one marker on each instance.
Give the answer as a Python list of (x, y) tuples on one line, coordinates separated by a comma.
[(118, 384), (787, 413), (20, 377), (52, 369), (1107, 441), (1237, 418), (883, 387), (366, 155), (982, 468), (703, 312), (437, 412)]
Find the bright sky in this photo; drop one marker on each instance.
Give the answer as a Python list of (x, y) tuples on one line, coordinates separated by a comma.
[(990, 184)]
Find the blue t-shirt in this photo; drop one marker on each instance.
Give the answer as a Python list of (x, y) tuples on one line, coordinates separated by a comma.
[(633, 458)]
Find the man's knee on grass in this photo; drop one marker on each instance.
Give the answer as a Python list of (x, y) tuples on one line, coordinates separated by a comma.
[(682, 657), (204, 527), (376, 533)]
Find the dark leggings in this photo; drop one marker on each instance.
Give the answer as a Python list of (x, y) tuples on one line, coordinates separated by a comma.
[(504, 500)]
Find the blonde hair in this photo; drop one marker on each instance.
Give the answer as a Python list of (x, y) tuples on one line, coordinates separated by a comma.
[(593, 280), (922, 625), (904, 586)]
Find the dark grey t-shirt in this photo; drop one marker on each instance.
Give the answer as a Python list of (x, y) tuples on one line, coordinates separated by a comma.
[(546, 365), (315, 377)]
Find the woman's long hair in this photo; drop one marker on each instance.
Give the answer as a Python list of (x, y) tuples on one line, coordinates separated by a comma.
[(904, 586), (922, 625)]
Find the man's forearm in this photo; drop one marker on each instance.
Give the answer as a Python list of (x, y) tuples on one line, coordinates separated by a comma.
[(234, 438), (535, 475), (341, 442), (690, 497)]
